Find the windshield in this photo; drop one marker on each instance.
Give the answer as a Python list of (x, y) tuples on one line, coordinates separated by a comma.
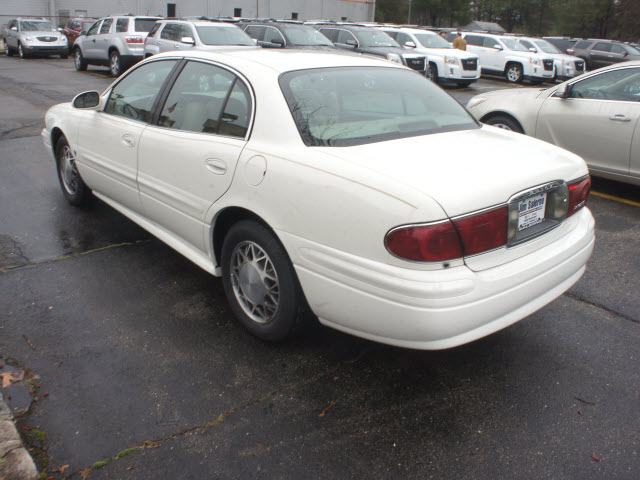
[(547, 47), (213, 35), (305, 36), (374, 38), (346, 106), (145, 24), (631, 50), (432, 41), (513, 44), (36, 27), (87, 25)]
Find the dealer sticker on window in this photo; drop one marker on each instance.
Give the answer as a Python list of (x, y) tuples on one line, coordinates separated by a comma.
[(531, 211)]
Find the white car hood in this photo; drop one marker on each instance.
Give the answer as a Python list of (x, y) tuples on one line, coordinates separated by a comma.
[(468, 170)]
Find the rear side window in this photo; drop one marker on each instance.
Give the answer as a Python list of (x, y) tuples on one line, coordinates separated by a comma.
[(583, 44), (145, 24), (122, 25), (474, 40), (106, 25), (207, 99), (133, 97), (602, 47)]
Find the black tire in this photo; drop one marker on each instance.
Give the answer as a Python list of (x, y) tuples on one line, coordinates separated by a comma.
[(432, 72), (7, 49), (73, 187), (513, 73), (505, 122), (21, 52), (115, 64), (79, 61), (269, 309)]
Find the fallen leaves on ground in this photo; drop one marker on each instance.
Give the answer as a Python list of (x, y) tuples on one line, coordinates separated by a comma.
[(595, 457), (63, 468), (8, 377)]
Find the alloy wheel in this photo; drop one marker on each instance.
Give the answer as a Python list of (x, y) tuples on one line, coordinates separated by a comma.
[(68, 171), (255, 282)]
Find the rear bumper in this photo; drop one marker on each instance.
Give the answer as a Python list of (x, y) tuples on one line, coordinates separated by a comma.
[(436, 309)]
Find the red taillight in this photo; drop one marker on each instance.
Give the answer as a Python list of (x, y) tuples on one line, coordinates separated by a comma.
[(578, 194), (136, 39), (570, 51), (483, 231), (434, 242)]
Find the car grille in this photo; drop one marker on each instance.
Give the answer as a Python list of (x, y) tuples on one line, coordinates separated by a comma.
[(579, 65), (415, 63), (470, 64), (47, 39), (548, 64)]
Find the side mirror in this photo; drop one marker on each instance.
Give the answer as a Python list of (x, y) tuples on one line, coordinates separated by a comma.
[(498, 47), (188, 41), (87, 100), (59, 29), (532, 49), (562, 91), (410, 44), (625, 54), (352, 43)]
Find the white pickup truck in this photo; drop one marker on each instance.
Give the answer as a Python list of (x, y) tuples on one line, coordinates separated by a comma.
[(34, 36)]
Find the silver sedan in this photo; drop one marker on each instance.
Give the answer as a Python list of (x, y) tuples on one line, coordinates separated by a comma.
[(595, 115)]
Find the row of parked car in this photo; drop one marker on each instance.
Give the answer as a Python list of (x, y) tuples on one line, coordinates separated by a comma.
[(119, 41)]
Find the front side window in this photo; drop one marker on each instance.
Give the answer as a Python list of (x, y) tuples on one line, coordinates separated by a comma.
[(170, 32), (207, 99), (346, 106), (474, 40), (583, 44), (255, 31), (185, 31), (602, 47), (402, 38), (94, 28), (489, 42), (375, 38), (547, 47), (345, 36), (617, 85), (617, 49), (122, 25), (210, 35), (272, 35), (133, 97), (36, 27), (106, 25), (513, 44), (527, 44), (330, 33)]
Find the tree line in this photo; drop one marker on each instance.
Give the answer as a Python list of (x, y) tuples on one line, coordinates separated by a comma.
[(615, 19)]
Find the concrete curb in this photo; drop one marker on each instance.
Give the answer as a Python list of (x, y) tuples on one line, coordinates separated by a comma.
[(15, 461)]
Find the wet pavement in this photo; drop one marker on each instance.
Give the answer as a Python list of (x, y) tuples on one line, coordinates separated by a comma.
[(142, 372)]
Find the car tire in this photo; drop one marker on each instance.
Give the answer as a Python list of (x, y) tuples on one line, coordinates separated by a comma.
[(432, 72), (505, 122), (21, 52), (73, 187), (7, 49), (513, 73), (260, 283), (115, 64), (79, 61)]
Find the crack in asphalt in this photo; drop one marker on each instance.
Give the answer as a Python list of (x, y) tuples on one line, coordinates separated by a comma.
[(601, 307), (74, 255), (196, 429)]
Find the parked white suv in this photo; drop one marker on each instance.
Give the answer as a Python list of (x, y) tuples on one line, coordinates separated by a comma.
[(116, 41), (172, 35), (567, 66), (505, 55), (446, 64)]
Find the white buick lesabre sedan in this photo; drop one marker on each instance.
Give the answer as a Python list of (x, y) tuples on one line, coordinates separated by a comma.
[(346, 185), (594, 115)]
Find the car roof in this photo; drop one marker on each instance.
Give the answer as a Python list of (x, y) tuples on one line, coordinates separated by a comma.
[(200, 23), (409, 30), (282, 60)]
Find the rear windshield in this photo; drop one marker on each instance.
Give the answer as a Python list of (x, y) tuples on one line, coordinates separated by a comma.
[(36, 27), (346, 106), (145, 24), (303, 35), (432, 41), (211, 35)]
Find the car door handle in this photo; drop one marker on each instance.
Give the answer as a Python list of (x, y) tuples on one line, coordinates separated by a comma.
[(620, 118), (128, 140), (217, 166)]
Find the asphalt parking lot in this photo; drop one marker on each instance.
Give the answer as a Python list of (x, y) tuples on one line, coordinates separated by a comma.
[(140, 371)]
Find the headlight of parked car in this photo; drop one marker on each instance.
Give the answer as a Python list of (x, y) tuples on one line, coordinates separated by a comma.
[(394, 57), (63, 39), (28, 39), (451, 60)]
